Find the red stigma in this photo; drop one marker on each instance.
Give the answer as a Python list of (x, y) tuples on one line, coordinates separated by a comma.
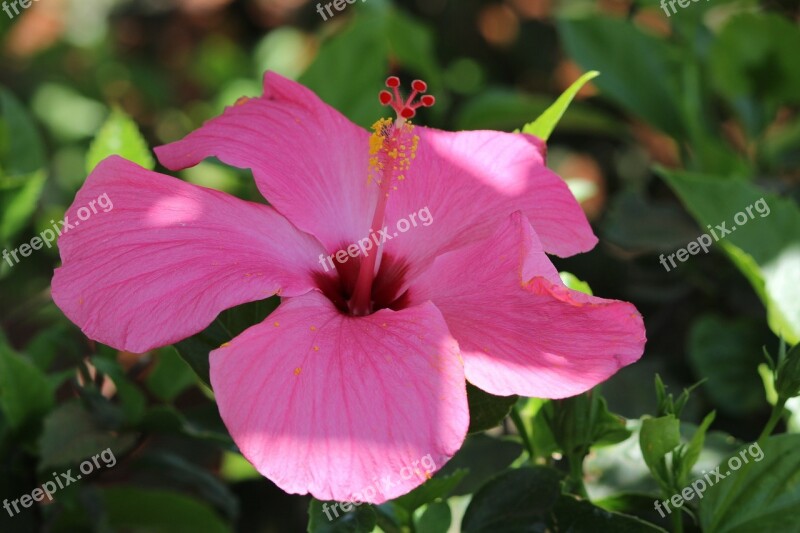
[(405, 109), (386, 97), (419, 86)]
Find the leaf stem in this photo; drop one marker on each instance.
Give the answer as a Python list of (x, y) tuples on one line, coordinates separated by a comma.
[(775, 417), (523, 432), (677, 521), (576, 484)]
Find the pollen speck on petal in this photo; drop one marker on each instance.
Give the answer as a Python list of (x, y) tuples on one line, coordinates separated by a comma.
[(276, 324), (297, 371)]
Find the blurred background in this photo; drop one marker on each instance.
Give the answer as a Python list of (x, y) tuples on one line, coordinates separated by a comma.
[(693, 118)]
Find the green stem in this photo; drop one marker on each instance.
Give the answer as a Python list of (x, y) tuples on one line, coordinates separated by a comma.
[(523, 432), (775, 417), (777, 413), (677, 521), (576, 475)]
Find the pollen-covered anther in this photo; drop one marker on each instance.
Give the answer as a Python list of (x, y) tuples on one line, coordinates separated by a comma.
[(405, 109), (392, 148)]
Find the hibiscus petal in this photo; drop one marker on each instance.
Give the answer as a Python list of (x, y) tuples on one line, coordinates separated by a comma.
[(327, 404), (521, 331), (169, 256), (472, 181), (308, 160)]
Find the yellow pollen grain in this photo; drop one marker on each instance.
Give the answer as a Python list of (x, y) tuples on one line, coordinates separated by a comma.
[(276, 324), (297, 371), (313, 328), (316, 348), (225, 345), (241, 101)]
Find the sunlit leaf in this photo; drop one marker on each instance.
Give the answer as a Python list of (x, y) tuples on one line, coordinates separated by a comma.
[(119, 136)]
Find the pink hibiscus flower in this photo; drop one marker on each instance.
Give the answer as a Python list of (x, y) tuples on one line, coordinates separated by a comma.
[(361, 370)]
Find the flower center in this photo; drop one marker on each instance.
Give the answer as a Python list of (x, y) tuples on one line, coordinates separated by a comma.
[(392, 148)]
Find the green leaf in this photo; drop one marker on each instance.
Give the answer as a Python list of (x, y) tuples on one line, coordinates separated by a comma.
[(691, 452), (26, 395), (412, 45), (637, 222), (543, 126), (571, 514), (171, 376), (119, 136), (330, 517), (657, 438), (435, 518), (159, 511), (518, 500), (384, 38), (762, 495), (607, 427), (616, 47), (530, 499), (22, 167), (766, 249), (787, 383), (18, 201), (437, 487), (536, 413), (630, 503), (572, 281), (483, 457), (236, 468), (753, 64), (499, 109), (193, 477), (583, 421), (487, 410), (728, 353), (21, 146), (131, 398), (228, 325), (611, 469), (71, 435)]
